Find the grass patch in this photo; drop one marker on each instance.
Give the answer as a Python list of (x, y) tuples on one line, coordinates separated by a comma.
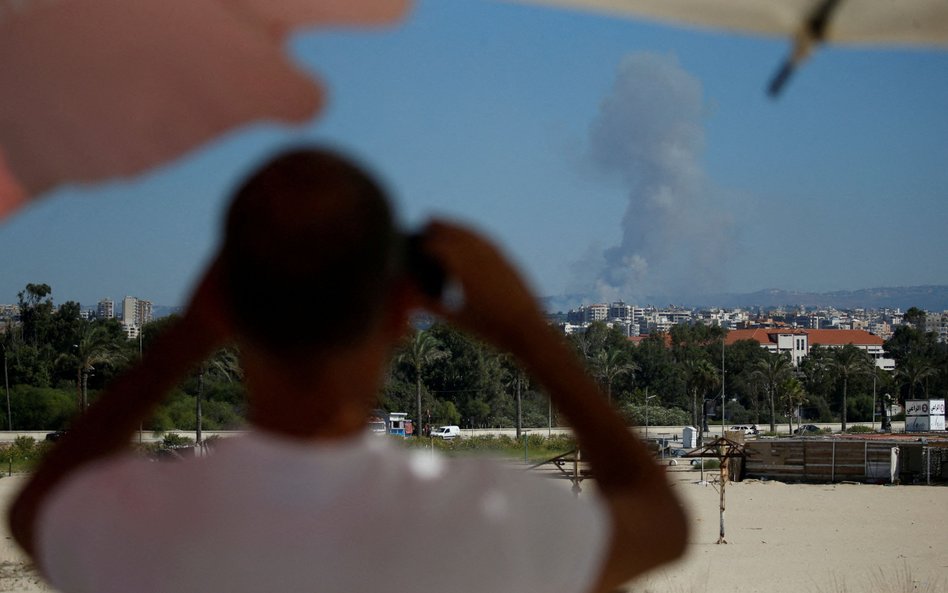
[(709, 463), (900, 580), (538, 446), (23, 454)]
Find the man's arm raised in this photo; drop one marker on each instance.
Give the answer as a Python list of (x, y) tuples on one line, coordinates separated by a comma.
[(649, 526), (109, 425)]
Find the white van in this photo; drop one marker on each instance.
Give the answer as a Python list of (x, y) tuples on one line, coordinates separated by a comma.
[(446, 432)]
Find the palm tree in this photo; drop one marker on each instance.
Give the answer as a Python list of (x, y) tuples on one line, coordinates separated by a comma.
[(701, 375), (96, 346), (420, 351), (518, 380), (792, 396), (609, 365), (847, 362), (223, 363), (772, 370), (913, 371)]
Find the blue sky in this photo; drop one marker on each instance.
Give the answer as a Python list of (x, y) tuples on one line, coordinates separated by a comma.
[(610, 157)]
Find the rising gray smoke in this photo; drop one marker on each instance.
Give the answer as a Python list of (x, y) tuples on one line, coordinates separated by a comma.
[(649, 131)]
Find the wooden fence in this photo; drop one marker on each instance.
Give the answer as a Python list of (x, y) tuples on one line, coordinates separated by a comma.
[(820, 460)]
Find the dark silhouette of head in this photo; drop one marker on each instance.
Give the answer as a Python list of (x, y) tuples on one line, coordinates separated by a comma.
[(310, 253)]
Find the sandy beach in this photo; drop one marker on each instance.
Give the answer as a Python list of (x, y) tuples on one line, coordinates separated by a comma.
[(782, 538), (786, 538)]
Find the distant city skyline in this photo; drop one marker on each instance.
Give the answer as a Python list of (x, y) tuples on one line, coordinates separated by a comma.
[(929, 298), (612, 157)]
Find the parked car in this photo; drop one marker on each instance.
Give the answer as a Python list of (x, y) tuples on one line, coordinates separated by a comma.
[(747, 429), (808, 429), (446, 432)]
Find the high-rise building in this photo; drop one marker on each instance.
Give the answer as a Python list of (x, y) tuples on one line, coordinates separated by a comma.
[(136, 311), (129, 305), (143, 312), (106, 309), (131, 330), (937, 323), (620, 311), (597, 312)]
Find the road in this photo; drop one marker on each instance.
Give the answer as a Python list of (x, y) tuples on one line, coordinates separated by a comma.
[(669, 432)]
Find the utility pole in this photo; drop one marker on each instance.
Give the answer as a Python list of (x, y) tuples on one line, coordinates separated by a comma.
[(519, 408), (549, 431), (647, 397), (722, 387), (140, 356), (6, 382)]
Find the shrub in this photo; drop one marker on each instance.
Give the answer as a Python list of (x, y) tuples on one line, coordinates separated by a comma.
[(708, 464), (163, 449), (657, 415), (173, 441), (41, 408), (859, 429), (536, 440), (23, 453)]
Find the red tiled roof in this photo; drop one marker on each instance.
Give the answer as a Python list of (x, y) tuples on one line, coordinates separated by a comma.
[(841, 337), (760, 334), (767, 335), (823, 337), (636, 340)]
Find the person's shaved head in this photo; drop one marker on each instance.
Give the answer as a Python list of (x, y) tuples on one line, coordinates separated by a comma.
[(310, 252)]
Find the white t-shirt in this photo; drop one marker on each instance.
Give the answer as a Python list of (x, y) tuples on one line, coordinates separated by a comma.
[(264, 514)]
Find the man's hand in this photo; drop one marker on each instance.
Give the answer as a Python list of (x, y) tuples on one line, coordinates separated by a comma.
[(497, 304), (500, 308), (109, 425), (208, 314)]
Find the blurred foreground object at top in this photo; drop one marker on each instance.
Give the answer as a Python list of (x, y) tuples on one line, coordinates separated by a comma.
[(907, 22), (808, 22), (92, 89)]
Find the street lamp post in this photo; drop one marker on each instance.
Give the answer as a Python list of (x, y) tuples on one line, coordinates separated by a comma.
[(647, 397)]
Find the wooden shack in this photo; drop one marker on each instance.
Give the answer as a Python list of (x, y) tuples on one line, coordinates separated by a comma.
[(834, 460)]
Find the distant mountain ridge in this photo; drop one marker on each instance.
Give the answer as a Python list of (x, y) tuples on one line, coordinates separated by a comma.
[(159, 311), (929, 298)]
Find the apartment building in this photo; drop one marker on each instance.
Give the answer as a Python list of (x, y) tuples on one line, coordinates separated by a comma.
[(937, 323), (136, 311), (791, 341), (797, 342), (105, 309)]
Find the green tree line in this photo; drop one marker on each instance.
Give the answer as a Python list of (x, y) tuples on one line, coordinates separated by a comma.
[(453, 379), (56, 362)]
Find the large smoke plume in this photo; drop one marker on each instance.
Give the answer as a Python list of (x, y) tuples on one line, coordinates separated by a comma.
[(649, 131)]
